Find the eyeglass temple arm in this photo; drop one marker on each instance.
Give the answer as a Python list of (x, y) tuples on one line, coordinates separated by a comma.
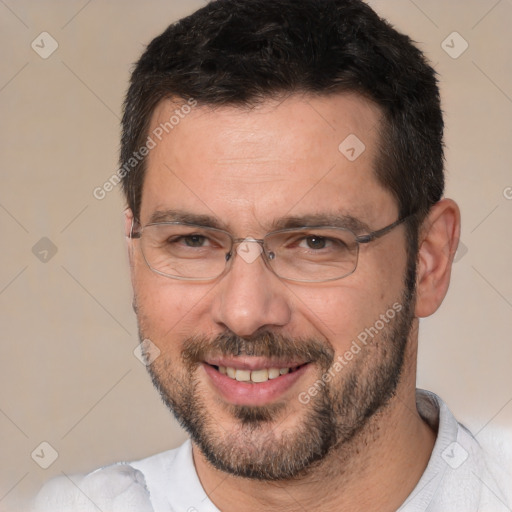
[(364, 239)]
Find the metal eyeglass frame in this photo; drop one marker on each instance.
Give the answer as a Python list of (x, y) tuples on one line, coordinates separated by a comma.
[(360, 239)]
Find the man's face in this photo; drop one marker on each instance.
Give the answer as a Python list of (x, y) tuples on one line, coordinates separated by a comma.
[(248, 171)]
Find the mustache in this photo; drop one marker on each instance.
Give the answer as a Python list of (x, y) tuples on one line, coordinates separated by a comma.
[(265, 344)]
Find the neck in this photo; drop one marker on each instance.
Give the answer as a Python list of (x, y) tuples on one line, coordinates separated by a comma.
[(376, 470)]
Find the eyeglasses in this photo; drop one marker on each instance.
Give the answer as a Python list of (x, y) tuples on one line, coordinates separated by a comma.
[(198, 253)]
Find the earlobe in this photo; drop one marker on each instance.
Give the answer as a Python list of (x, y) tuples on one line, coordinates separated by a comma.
[(438, 240)]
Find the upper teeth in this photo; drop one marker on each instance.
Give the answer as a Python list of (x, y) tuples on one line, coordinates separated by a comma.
[(253, 376)]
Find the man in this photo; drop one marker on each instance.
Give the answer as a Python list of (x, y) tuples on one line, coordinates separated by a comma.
[(282, 163)]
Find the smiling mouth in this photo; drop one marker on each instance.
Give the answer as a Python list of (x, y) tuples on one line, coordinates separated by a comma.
[(257, 375)]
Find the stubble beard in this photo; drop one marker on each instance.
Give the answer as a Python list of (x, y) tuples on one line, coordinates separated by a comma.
[(254, 446)]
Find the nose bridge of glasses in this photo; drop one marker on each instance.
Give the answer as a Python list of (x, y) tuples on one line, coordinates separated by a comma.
[(249, 248), (248, 239)]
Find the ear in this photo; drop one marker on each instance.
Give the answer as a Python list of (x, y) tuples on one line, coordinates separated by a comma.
[(438, 241), (128, 225)]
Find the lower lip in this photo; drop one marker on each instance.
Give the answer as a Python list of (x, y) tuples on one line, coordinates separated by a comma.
[(253, 393)]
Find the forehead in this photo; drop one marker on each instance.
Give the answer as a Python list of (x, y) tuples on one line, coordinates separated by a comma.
[(298, 156)]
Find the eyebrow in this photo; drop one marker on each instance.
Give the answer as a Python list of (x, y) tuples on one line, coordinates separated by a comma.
[(335, 220), (186, 218)]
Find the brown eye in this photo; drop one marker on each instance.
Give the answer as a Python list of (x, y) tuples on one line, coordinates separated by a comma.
[(316, 242)]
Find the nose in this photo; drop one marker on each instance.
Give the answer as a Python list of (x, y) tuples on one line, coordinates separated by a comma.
[(249, 296)]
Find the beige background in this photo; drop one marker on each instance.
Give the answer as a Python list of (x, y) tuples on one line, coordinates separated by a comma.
[(68, 375)]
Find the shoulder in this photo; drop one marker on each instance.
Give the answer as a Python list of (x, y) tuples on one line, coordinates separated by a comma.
[(496, 477), (466, 471), (140, 486), (119, 487)]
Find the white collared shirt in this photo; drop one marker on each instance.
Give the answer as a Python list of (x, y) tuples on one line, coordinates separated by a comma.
[(460, 477)]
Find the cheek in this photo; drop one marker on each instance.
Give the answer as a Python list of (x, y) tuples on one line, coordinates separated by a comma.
[(340, 312), (168, 309), (381, 269)]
